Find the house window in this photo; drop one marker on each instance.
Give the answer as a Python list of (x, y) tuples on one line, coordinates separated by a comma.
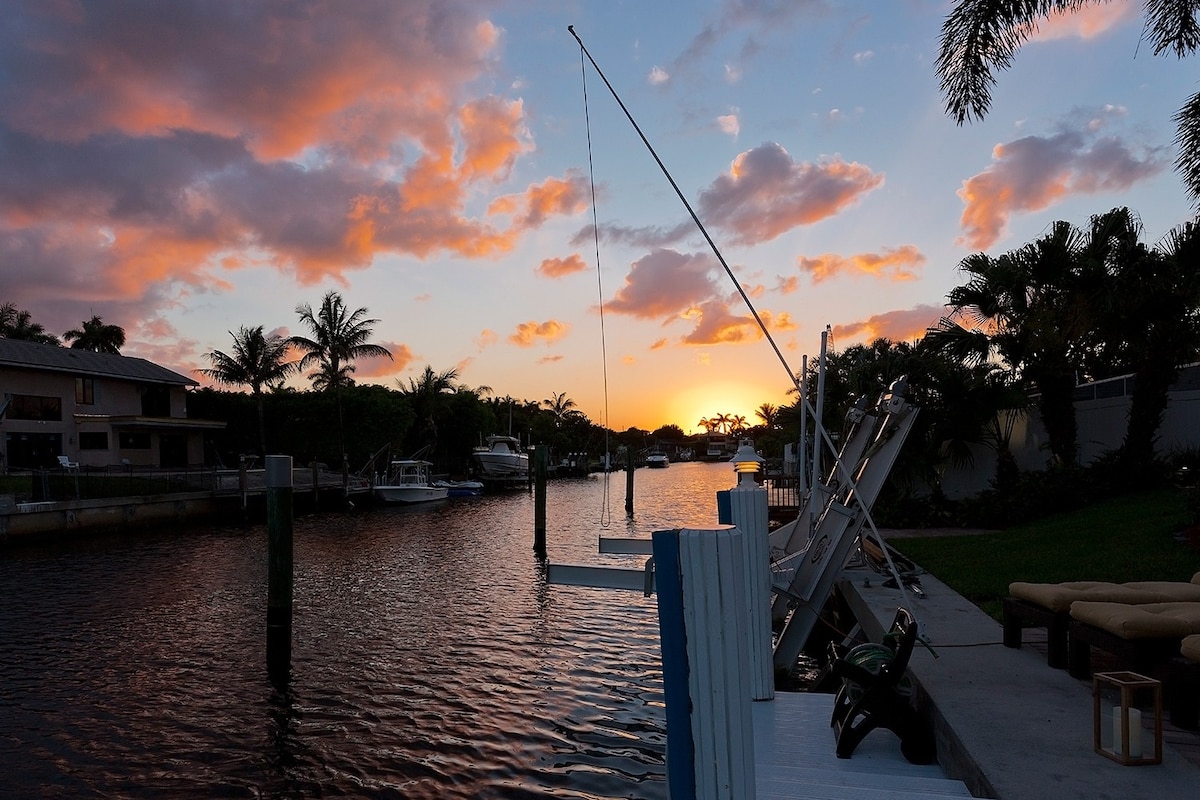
[(156, 402), (85, 392), (35, 407), (93, 440), (133, 441)]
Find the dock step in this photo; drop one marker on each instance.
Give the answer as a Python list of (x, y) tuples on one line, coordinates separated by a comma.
[(796, 757)]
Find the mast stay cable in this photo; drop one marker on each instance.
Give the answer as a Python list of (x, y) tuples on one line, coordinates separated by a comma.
[(606, 506), (695, 218)]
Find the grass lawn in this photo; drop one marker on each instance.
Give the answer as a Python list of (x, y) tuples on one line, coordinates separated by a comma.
[(1127, 538)]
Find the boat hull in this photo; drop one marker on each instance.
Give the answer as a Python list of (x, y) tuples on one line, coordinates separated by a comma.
[(503, 466), (411, 494)]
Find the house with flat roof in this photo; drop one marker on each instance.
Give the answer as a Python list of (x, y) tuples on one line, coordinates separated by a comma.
[(96, 409)]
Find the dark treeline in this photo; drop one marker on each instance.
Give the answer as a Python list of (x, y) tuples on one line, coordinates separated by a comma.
[(443, 426)]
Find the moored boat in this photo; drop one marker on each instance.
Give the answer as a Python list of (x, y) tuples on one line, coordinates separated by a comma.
[(407, 481), (462, 488), (502, 459), (657, 458)]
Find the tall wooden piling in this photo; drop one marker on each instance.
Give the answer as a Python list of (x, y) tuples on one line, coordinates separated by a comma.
[(243, 482), (629, 467), (279, 565), (540, 472)]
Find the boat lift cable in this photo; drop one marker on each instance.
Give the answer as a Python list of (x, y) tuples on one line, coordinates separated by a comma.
[(695, 218), (606, 508)]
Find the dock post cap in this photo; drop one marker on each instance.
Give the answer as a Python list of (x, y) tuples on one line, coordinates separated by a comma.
[(278, 472)]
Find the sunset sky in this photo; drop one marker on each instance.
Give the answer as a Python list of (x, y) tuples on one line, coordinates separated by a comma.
[(184, 168)]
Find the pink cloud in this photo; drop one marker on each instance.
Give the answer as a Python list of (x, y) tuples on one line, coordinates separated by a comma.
[(896, 264), (664, 283), (1087, 22), (904, 325), (766, 193), (153, 147), (1034, 172)]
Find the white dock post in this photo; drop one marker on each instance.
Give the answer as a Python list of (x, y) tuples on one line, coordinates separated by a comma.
[(700, 582), (746, 507)]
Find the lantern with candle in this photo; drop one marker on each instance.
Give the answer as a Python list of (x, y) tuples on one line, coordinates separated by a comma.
[(1127, 714)]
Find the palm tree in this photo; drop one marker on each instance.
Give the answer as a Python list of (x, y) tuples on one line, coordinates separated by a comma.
[(424, 393), (980, 37), (256, 361), (94, 335), (17, 323), (707, 424), (1033, 308), (768, 413), (720, 422), (559, 405), (338, 337), (1150, 325)]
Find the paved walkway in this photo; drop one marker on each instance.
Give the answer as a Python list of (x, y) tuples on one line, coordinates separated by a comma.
[(1009, 726)]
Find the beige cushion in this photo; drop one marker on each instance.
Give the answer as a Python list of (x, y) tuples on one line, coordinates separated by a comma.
[(1146, 621), (1190, 647), (1058, 596), (1196, 578), (1168, 591)]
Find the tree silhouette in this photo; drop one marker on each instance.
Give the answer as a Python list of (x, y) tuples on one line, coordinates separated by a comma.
[(256, 361), (94, 335), (424, 394), (338, 337), (16, 323)]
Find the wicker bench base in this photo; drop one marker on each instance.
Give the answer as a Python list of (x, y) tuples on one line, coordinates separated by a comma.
[(1141, 655), (1020, 614)]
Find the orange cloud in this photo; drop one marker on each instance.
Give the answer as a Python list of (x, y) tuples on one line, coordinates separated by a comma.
[(718, 326), (787, 285), (553, 196), (896, 264), (904, 325), (561, 267), (530, 333), (766, 193), (495, 135), (1034, 172), (378, 366), (357, 80), (486, 338), (314, 142)]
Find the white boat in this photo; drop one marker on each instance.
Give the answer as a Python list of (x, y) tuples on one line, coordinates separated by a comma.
[(407, 481), (502, 459), (657, 458), (462, 488)]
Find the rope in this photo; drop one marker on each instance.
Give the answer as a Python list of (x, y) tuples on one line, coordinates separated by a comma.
[(606, 505)]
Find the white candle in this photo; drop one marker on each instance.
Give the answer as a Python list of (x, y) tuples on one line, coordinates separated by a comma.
[(1135, 732)]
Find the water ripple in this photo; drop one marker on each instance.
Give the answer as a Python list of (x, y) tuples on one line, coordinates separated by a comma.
[(429, 657)]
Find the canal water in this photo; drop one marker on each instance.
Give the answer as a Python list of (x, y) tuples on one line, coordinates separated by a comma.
[(430, 659)]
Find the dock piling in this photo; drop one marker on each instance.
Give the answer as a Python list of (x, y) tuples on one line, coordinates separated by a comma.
[(540, 473), (629, 467), (279, 566)]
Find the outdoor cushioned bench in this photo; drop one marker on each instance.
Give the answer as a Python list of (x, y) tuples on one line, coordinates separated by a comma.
[(1183, 690), (1047, 605), (1142, 636)]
